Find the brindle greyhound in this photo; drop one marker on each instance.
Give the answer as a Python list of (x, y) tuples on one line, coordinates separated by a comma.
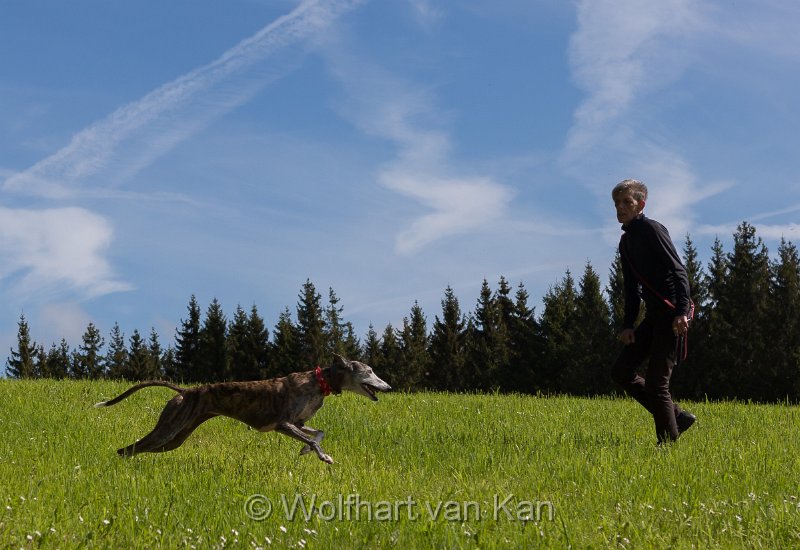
[(281, 404)]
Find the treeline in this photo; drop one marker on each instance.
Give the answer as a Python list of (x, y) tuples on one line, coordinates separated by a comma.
[(744, 342)]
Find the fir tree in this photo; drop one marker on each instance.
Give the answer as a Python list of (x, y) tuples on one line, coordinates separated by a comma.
[(488, 340), (187, 345), (212, 362), (22, 362), (286, 347), (615, 291), (169, 365), (783, 352), (88, 359), (714, 375), (116, 354), (242, 364), (372, 350), (154, 368), (558, 323), (311, 329), (743, 309), (258, 342), (594, 340), (248, 346), (448, 350), (392, 359), (351, 346), (687, 380), (138, 358), (333, 327), (58, 361), (526, 347), (414, 342)]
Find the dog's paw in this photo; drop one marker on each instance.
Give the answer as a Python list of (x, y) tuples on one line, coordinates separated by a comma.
[(305, 450), (326, 458)]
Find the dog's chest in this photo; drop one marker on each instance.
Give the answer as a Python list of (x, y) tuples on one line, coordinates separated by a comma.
[(306, 410)]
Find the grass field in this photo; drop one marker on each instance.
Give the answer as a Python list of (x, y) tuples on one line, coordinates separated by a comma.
[(411, 471)]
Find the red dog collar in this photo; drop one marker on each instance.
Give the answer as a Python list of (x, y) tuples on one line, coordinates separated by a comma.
[(323, 384)]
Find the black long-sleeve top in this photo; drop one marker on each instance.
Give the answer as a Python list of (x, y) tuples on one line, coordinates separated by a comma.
[(647, 244)]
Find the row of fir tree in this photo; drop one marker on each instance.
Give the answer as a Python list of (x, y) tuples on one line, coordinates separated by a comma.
[(743, 343)]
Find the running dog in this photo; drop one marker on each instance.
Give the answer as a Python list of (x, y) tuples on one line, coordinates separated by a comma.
[(280, 404)]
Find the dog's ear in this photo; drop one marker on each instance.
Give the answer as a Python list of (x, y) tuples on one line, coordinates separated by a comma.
[(339, 361)]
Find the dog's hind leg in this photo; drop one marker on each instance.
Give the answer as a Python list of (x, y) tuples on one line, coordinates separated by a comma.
[(316, 435), (287, 428), (177, 414), (181, 436)]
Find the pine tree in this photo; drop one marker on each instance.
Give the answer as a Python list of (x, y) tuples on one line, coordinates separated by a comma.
[(169, 365), (414, 342), (594, 340), (116, 354), (258, 342), (22, 362), (488, 341), (212, 363), (155, 367), (138, 358), (783, 351), (58, 361), (392, 359), (687, 380), (311, 329), (242, 363), (248, 346), (372, 349), (187, 345), (448, 349), (711, 360), (351, 346), (286, 347), (526, 347), (333, 327), (88, 358), (558, 323), (743, 307), (615, 291)]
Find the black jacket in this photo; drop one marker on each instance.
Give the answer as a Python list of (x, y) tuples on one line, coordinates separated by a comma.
[(647, 245)]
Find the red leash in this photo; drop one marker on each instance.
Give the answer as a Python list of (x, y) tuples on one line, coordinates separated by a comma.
[(682, 346)]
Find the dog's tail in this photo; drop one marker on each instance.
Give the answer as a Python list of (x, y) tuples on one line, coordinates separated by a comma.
[(136, 388)]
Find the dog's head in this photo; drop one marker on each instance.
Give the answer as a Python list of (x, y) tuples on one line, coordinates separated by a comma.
[(358, 377)]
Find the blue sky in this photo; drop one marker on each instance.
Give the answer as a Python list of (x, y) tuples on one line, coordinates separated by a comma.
[(386, 149)]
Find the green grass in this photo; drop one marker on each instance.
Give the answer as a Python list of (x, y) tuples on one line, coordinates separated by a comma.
[(411, 471)]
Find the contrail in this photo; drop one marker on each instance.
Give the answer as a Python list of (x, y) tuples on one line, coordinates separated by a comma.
[(91, 150)]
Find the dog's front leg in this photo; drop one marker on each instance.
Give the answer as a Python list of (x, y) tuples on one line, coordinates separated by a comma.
[(287, 428), (316, 434)]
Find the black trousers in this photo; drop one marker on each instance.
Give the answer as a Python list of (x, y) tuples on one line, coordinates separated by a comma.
[(654, 339)]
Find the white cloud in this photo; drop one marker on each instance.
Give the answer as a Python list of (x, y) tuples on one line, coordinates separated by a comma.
[(621, 50), (134, 135), (386, 106), (45, 250), (458, 205)]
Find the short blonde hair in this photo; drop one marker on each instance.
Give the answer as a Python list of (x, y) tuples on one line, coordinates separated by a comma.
[(634, 187)]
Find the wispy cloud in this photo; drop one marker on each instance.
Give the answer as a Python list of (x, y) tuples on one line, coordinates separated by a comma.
[(388, 107), (621, 54), (136, 134), (64, 249), (621, 50)]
